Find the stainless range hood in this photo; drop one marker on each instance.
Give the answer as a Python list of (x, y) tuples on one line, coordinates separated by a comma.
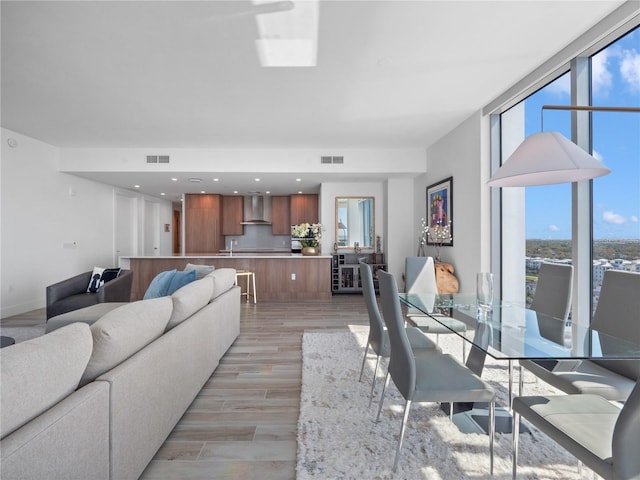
[(257, 210)]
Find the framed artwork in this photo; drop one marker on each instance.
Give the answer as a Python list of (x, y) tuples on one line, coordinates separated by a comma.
[(440, 212)]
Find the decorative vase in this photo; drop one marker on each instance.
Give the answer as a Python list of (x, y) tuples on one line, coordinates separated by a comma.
[(310, 251)]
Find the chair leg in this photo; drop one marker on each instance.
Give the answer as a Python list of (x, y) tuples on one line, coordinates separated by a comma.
[(364, 360), (514, 451), (492, 433), (520, 380), (384, 389), (373, 382), (407, 407)]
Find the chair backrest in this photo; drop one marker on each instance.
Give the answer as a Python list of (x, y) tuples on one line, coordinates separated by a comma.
[(553, 290), (626, 438), (618, 314), (420, 275), (402, 367), (552, 297), (376, 327)]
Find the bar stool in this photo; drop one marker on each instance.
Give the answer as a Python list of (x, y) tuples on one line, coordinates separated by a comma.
[(251, 281)]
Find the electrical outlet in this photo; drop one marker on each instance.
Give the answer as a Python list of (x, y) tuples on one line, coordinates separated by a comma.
[(293, 276)]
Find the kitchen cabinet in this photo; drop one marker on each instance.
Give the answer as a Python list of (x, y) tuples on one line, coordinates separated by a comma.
[(202, 221), (304, 208), (281, 215), (232, 215)]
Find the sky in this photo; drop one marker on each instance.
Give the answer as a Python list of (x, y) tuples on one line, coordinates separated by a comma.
[(616, 143)]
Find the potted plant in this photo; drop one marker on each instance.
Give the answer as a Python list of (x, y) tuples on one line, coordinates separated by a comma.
[(310, 236)]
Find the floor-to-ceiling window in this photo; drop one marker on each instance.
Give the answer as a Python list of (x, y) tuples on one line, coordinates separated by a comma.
[(537, 223), (615, 81)]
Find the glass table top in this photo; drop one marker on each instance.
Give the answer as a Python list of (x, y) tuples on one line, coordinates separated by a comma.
[(512, 332)]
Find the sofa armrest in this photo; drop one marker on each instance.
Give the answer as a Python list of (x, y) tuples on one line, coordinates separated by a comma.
[(68, 287), (118, 289)]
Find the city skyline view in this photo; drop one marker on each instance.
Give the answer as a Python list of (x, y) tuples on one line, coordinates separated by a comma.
[(615, 81)]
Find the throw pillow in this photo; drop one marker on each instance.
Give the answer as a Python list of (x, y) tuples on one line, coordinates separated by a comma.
[(100, 276), (180, 279), (159, 285), (201, 270)]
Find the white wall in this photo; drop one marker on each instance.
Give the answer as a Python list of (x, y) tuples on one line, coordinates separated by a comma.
[(464, 155), (43, 209), (401, 220)]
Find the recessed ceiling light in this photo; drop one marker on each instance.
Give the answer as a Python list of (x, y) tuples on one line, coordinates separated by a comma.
[(235, 191), (195, 180), (202, 191), (299, 191), (257, 179), (162, 193), (216, 179), (174, 179), (298, 179), (136, 186), (268, 192)]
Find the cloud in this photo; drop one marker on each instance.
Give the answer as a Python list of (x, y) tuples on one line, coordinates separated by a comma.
[(598, 156), (600, 73), (614, 218), (630, 69), (633, 219), (553, 228), (560, 87)]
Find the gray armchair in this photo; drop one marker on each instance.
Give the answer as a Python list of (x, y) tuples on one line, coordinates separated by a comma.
[(71, 294)]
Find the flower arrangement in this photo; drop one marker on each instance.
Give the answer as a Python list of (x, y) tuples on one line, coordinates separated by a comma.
[(438, 235), (309, 234)]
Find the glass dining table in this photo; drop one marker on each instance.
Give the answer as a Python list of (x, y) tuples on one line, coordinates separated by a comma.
[(510, 331)]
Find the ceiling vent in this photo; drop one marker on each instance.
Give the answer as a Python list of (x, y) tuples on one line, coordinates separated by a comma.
[(328, 159), (157, 158)]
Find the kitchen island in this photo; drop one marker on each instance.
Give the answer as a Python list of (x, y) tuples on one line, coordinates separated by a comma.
[(279, 275)]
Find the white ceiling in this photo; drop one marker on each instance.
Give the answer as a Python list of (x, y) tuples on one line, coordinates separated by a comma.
[(389, 74)]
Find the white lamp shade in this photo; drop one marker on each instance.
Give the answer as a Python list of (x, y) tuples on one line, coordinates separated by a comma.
[(544, 159)]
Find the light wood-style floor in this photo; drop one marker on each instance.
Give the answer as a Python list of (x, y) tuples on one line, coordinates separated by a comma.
[(242, 425)]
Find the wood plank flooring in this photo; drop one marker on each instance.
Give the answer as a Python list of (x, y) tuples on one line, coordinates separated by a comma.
[(242, 425)]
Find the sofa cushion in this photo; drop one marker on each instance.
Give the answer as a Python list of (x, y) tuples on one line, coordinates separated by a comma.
[(201, 270), (159, 285), (124, 331), (100, 276), (37, 374), (189, 299), (180, 279), (223, 280), (88, 315)]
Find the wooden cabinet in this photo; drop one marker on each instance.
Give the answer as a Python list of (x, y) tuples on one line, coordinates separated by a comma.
[(202, 220), (232, 215), (304, 208), (281, 215)]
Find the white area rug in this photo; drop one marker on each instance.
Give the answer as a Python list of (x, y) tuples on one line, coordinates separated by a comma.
[(20, 334), (338, 439)]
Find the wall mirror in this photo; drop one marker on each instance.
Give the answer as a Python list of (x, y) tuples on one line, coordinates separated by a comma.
[(355, 222)]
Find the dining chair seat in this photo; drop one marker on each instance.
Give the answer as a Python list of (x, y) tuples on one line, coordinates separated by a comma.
[(598, 433)]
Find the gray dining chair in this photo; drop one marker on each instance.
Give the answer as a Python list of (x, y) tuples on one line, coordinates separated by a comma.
[(420, 277), (551, 297), (426, 376), (617, 314), (599, 434), (378, 338)]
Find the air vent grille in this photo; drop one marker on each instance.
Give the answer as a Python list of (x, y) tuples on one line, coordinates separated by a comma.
[(157, 158), (328, 159)]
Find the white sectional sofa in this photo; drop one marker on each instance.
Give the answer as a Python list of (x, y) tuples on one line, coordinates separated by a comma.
[(84, 402)]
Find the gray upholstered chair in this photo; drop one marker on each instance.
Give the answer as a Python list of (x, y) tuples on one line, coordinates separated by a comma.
[(595, 431), (552, 297), (378, 336), (426, 376), (617, 314), (71, 294), (420, 277)]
